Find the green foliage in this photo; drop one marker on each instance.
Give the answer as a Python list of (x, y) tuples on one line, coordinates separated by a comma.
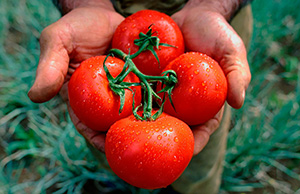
[(40, 151), (263, 146)]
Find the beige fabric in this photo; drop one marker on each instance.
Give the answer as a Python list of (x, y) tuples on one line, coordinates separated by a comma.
[(128, 7), (203, 175), (243, 24)]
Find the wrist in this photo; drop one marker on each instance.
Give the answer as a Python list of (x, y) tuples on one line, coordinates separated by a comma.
[(226, 8), (66, 6)]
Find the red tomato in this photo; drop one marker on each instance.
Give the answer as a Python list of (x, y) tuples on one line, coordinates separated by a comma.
[(201, 90), (163, 27), (149, 154), (91, 99)]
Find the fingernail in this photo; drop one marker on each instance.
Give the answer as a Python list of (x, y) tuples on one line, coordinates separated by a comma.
[(243, 97)]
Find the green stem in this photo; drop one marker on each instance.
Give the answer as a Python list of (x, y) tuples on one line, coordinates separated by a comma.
[(145, 79), (141, 49), (120, 78)]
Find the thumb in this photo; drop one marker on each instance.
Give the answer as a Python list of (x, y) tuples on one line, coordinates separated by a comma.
[(236, 69), (53, 64)]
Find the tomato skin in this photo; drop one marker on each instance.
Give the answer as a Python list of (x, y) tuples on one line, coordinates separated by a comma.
[(201, 90), (164, 27), (149, 154), (90, 97)]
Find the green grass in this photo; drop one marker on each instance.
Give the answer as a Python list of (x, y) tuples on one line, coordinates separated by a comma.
[(40, 151)]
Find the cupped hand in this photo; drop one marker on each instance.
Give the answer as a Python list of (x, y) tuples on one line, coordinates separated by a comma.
[(206, 30), (80, 34)]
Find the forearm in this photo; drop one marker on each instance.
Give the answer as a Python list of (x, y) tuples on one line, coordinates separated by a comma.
[(227, 8), (66, 6)]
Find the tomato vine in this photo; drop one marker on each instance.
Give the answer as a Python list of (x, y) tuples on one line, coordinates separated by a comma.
[(118, 86)]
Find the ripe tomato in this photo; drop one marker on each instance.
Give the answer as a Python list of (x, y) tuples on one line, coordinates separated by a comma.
[(163, 27), (201, 90), (149, 154), (91, 99)]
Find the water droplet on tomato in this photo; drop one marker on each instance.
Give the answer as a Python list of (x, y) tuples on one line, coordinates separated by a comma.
[(175, 158), (159, 137), (128, 45), (176, 139)]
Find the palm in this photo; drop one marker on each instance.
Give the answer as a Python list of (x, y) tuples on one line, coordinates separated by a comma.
[(90, 30)]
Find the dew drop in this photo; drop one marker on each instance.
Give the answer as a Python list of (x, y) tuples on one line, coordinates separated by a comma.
[(128, 45), (159, 137), (176, 139), (175, 158)]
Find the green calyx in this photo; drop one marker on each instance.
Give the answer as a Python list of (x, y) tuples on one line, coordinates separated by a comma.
[(168, 79), (148, 42)]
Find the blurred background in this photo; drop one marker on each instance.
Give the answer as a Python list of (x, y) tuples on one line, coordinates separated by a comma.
[(41, 152)]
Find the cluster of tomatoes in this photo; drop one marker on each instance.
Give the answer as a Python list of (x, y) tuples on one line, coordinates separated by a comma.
[(114, 93)]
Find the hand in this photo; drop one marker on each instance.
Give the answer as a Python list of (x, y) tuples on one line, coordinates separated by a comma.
[(206, 30), (84, 32)]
